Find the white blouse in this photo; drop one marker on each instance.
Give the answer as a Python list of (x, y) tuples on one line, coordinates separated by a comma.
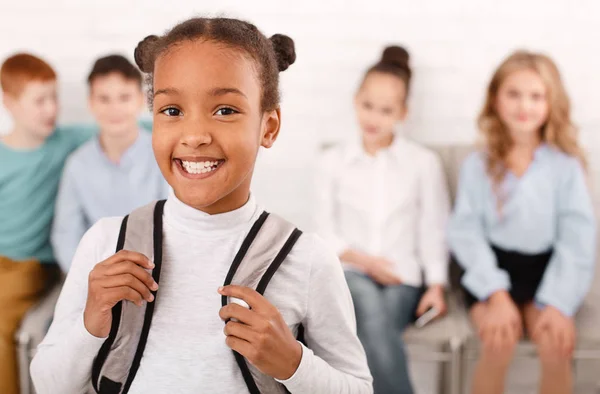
[(393, 205)]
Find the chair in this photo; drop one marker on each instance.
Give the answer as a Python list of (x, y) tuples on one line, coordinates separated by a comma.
[(32, 330)]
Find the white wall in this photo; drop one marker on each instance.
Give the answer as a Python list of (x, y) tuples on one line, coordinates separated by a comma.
[(455, 46)]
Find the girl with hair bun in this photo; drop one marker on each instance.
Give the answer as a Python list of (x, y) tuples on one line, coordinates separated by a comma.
[(383, 204), (214, 90)]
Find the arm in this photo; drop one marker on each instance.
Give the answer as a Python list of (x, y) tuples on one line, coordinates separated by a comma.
[(69, 223), (80, 133), (325, 203), (432, 222), (325, 213), (63, 362), (336, 362), (466, 235), (571, 268)]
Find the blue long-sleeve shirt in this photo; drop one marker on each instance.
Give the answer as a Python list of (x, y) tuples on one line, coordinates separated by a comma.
[(93, 187), (548, 207)]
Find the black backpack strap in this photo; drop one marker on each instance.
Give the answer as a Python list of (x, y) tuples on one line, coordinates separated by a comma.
[(237, 260), (264, 282), (116, 320), (104, 385), (262, 285), (241, 362), (283, 253), (158, 252)]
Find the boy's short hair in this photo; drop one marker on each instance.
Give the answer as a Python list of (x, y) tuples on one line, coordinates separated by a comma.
[(22, 68), (115, 64)]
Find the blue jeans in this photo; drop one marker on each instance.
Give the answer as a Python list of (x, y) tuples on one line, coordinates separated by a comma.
[(382, 313)]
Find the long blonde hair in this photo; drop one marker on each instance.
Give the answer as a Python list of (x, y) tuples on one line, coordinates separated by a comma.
[(558, 131)]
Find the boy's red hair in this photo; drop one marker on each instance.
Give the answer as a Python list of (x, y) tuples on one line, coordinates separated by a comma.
[(22, 68)]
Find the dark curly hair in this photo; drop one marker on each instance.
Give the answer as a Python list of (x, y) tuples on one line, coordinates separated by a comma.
[(272, 55)]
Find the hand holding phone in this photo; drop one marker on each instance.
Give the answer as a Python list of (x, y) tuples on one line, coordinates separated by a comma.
[(427, 317)]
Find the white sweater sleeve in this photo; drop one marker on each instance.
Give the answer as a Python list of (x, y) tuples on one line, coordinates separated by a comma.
[(336, 362), (63, 362)]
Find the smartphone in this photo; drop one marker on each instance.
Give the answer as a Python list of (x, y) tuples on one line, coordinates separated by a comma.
[(427, 317)]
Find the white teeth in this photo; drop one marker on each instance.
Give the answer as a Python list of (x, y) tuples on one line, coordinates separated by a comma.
[(202, 167)]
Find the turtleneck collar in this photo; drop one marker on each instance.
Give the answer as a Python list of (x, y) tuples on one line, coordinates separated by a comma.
[(191, 220)]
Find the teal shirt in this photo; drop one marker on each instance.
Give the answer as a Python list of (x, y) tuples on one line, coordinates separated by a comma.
[(29, 182), (28, 185)]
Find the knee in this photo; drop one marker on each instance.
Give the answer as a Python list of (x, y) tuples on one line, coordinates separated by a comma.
[(551, 354), (498, 351)]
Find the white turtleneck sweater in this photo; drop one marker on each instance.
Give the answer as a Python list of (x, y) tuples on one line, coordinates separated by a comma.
[(186, 351)]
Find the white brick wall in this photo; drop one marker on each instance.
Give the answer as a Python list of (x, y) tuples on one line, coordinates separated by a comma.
[(455, 45)]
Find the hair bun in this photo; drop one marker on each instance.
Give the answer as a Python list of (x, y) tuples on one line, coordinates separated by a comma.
[(396, 56), (141, 52), (285, 51)]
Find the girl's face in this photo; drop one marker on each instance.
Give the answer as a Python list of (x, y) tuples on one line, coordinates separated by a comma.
[(208, 123), (522, 104), (380, 105)]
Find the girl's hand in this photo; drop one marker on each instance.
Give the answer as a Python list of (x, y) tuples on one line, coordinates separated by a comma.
[(260, 334), (502, 326), (123, 276)]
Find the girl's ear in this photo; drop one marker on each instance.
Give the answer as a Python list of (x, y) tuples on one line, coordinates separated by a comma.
[(270, 128), (403, 112)]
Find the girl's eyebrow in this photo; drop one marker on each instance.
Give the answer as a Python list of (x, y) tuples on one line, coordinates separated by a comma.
[(167, 91), (216, 92), (223, 91)]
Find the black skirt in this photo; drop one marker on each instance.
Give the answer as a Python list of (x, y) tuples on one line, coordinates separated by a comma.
[(525, 271)]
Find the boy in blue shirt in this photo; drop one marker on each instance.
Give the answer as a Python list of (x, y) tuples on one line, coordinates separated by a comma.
[(113, 173)]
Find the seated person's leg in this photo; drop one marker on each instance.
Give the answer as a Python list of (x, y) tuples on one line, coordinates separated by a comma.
[(401, 302), (498, 344), (20, 285), (376, 333), (555, 345)]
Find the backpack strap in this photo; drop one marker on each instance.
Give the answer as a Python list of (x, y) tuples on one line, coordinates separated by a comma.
[(270, 241), (117, 362)]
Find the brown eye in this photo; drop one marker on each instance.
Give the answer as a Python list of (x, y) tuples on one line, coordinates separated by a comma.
[(171, 111), (225, 111)]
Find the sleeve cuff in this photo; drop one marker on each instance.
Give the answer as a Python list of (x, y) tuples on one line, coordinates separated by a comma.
[(86, 341), (483, 287), (297, 380), (566, 310), (437, 276)]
